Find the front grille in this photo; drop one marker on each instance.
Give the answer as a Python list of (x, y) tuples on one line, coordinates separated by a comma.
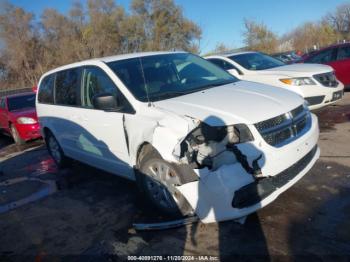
[(297, 110), (327, 79), (285, 128), (255, 192), (271, 122)]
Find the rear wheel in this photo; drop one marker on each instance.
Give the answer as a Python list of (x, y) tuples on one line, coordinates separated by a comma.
[(15, 135), (55, 150), (158, 180)]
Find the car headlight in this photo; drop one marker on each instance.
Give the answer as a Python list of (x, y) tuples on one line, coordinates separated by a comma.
[(26, 120), (298, 81)]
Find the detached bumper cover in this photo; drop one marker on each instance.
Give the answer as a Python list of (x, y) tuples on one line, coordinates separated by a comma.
[(253, 193)]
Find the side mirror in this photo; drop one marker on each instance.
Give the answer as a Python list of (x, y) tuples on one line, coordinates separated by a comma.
[(106, 102), (234, 72)]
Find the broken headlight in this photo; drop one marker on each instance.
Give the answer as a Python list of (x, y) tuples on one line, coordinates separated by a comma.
[(242, 132), (209, 145), (234, 134)]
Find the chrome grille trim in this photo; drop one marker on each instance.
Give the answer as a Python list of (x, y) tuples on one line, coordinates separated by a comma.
[(283, 129)]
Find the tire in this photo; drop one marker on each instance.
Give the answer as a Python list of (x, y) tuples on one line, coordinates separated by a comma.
[(56, 151), (157, 180), (16, 137)]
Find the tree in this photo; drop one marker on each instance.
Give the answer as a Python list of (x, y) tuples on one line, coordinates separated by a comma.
[(22, 45), (30, 47), (219, 49), (339, 20), (309, 34), (164, 26), (259, 38)]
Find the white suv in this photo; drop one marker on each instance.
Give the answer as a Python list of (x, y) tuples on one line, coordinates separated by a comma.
[(195, 139), (316, 83)]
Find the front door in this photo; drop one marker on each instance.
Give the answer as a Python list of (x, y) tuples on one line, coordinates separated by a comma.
[(102, 143)]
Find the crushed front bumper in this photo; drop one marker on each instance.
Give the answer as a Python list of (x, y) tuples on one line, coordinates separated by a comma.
[(258, 190)]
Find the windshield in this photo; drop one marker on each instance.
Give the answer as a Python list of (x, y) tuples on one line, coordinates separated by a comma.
[(21, 102), (158, 77), (256, 61)]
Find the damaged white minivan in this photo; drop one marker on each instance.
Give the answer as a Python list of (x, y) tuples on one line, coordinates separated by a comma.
[(194, 138)]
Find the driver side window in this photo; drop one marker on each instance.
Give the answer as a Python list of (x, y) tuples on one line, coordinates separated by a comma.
[(95, 82)]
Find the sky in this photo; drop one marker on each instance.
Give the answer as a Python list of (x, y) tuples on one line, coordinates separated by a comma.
[(222, 20)]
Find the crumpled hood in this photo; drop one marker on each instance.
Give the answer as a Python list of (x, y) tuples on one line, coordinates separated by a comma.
[(298, 69), (240, 102)]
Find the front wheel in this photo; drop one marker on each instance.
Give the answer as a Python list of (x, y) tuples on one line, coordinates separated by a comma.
[(158, 181), (15, 135)]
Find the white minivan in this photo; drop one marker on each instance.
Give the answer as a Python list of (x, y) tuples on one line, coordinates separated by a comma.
[(194, 138)]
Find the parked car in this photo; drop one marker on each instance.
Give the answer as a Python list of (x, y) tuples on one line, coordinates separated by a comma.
[(317, 84), (194, 138), (336, 56), (288, 57), (18, 117)]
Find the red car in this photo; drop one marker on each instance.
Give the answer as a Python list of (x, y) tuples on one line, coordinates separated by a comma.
[(336, 56), (18, 117)]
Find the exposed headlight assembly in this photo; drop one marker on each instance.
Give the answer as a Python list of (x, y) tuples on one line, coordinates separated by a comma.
[(298, 81), (212, 146), (234, 134), (26, 120)]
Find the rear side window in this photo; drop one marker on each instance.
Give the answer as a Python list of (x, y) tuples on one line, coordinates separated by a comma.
[(45, 94), (66, 88), (343, 53), (21, 102)]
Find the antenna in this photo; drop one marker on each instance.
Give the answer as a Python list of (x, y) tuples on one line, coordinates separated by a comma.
[(144, 82)]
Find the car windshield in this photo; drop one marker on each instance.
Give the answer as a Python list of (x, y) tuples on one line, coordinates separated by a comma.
[(158, 77), (256, 61), (21, 102)]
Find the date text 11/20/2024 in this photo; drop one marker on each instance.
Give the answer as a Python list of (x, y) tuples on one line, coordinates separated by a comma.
[(173, 258)]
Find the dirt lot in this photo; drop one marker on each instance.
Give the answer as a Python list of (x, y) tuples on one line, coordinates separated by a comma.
[(91, 214)]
